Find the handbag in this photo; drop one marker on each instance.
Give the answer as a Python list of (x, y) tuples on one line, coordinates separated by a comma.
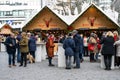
[(90, 47), (98, 46)]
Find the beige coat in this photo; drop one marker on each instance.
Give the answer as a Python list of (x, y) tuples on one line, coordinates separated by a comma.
[(24, 45), (92, 40)]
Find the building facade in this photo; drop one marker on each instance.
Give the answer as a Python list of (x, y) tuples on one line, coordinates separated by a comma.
[(16, 12)]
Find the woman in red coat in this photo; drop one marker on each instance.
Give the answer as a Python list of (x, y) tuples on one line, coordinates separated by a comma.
[(50, 48)]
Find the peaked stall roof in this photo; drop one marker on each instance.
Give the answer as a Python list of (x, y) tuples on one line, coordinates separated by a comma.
[(6, 29), (5, 24), (37, 13), (99, 10)]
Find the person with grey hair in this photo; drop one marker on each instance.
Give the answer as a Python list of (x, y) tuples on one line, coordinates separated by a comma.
[(69, 46), (78, 42)]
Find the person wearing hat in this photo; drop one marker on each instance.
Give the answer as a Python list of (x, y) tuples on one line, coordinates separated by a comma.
[(77, 51), (69, 46)]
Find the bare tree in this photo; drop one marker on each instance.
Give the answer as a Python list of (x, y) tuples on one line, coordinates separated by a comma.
[(72, 4), (79, 5)]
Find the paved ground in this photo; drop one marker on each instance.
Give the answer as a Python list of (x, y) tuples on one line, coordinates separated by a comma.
[(41, 71)]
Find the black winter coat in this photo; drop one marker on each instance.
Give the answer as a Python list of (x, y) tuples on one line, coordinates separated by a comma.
[(108, 46), (9, 48)]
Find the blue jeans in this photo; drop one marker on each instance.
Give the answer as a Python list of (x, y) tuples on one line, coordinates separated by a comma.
[(96, 56), (11, 58), (68, 61), (18, 55), (77, 59)]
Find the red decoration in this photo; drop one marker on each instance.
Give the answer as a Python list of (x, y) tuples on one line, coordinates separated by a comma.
[(91, 20), (6, 27), (47, 22)]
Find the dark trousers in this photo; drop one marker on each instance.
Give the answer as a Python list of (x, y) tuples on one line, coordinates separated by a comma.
[(24, 58), (118, 61), (115, 59), (68, 61), (107, 61), (77, 59), (50, 60), (92, 56), (11, 58), (32, 53), (85, 51)]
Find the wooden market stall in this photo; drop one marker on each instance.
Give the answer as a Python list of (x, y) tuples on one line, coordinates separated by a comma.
[(45, 19), (6, 29), (94, 19)]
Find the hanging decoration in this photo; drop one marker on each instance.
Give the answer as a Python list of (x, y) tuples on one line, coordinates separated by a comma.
[(47, 22), (91, 20), (6, 27)]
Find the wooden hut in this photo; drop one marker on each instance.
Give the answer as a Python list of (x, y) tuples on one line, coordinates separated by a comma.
[(94, 18), (45, 19)]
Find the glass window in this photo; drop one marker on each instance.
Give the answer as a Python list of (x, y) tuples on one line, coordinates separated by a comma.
[(1, 13), (15, 13), (7, 2), (21, 13)]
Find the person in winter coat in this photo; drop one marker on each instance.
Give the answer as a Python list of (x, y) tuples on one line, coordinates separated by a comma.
[(69, 46), (77, 51), (11, 49), (50, 48), (24, 49), (92, 43), (117, 43), (108, 49), (32, 45)]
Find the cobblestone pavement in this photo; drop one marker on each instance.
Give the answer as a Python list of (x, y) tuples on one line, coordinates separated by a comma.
[(41, 71)]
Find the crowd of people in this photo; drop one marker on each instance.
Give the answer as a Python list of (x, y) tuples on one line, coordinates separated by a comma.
[(24, 44), (75, 45)]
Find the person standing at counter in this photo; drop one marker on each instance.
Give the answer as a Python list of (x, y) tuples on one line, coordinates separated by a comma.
[(32, 45), (50, 48), (24, 49), (11, 49)]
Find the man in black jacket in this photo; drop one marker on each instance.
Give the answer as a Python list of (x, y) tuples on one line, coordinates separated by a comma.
[(11, 49)]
